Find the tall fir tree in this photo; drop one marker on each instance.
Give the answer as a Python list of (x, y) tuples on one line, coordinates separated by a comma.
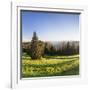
[(37, 47)]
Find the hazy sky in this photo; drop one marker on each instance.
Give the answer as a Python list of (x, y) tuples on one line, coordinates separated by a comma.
[(50, 26)]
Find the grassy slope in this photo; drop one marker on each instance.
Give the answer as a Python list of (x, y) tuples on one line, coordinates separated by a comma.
[(50, 66)]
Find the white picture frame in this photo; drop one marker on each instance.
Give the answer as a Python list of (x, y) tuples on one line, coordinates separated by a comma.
[(15, 49)]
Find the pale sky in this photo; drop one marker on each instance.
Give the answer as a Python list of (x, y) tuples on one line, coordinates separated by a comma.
[(50, 26)]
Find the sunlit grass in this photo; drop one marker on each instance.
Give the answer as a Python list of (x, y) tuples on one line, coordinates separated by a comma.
[(50, 66)]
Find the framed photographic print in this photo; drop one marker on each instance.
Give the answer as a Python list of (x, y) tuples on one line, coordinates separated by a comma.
[(47, 45)]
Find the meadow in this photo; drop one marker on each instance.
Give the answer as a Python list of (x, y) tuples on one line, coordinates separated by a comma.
[(50, 66)]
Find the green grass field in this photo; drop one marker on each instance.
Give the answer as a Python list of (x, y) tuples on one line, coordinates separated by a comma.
[(50, 66)]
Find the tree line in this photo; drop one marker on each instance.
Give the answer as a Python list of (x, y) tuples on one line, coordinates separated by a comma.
[(37, 48)]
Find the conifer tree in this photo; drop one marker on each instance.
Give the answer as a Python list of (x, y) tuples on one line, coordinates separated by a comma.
[(37, 47)]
